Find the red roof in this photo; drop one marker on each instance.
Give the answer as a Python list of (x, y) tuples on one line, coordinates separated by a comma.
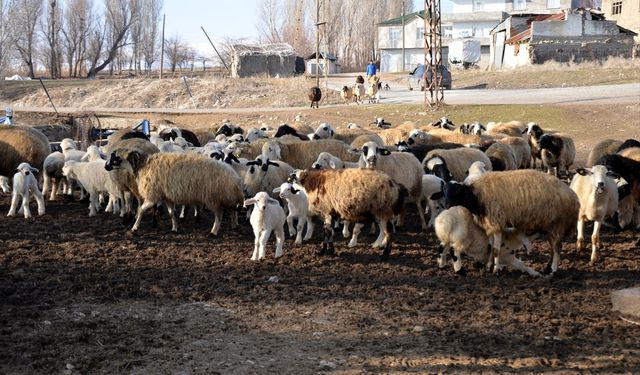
[(519, 34)]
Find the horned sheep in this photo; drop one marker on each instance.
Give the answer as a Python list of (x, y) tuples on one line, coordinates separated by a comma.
[(527, 200), (266, 217)]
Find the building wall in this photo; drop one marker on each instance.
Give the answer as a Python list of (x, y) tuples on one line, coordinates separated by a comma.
[(251, 65), (411, 32), (540, 6), (629, 18), (391, 59), (581, 49), (467, 6), (516, 55)]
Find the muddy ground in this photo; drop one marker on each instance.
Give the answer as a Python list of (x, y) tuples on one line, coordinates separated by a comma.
[(81, 295)]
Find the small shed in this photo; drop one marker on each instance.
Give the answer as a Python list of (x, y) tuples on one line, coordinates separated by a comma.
[(326, 61), (574, 35), (277, 59)]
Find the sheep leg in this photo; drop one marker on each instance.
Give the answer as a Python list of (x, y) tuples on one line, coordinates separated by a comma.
[(595, 241), (14, 203), (345, 229), (54, 189), (515, 263), (46, 185), (580, 239), (234, 219), (423, 222), (556, 246), (385, 227), (378, 241), (172, 215), (216, 223), (183, 212), (327, 241), (309, 233), (300, 228), (141, 209), (94, 203), (457, 261), (442, 256), (39, 201), (357, 228), (280, 240), (256, 243), (264, 237), (292, 229), (25, 205), (497, 243)]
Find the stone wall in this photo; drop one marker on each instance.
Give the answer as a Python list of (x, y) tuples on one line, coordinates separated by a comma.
[(579, 49)]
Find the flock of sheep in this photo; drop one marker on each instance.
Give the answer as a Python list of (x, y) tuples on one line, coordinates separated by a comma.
[(479, 184)]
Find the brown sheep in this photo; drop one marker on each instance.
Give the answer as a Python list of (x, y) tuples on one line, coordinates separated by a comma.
[(20, 144), (315, 94)]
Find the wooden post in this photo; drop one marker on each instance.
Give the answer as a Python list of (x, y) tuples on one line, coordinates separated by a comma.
[(162, 49)]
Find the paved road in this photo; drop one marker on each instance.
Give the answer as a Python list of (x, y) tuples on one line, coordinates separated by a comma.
[(613, 94)]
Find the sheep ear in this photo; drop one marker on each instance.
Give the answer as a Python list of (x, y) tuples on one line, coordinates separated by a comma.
[(354, 151), (253, 162), (613, 174), (34, 170), (436, 196), (583, 172), (483, 128), (269, 162), (384, 152), (332, 164), (524, 130), (249, 202), (276, 190), (294, 190)]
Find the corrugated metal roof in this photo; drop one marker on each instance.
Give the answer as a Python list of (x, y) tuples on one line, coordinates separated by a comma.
[(519, 35)]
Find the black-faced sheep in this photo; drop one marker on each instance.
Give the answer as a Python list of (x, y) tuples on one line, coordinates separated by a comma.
[(354, 195), (558, 153), (315, 95), (453, 164), (20, 144), (598, 196), (298, 205), (285, 129), (527, 200)]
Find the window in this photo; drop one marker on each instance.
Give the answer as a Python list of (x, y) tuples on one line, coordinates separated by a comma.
[(478, 5), (420, 33), (616, 7), (519, 4), (394, 34), (551, 4), (477, 32), (447, 31)]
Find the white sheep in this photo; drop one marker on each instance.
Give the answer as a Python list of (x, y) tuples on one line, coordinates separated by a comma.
[(93, 153), (95, 179), (53, 177), (298, 204), (458, 233), (4, 184), (267, 216), (403, 167), (326, 160), (598, 195), (25, 183), (265, 175)]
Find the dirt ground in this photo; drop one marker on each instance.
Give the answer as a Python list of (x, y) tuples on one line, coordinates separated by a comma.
[(81, 295)]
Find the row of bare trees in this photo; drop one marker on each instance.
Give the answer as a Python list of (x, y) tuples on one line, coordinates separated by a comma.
[(350, 32), (77, 38)]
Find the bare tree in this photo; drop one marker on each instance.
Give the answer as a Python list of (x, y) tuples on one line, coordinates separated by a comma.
[(270, 21), (7, 31), (79, 21), (26, 18), (177, 51), (119, 15), (51, 27), (150, 19)]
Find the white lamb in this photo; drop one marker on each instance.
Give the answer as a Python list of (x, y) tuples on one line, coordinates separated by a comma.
[(266, 217), (298, 204), (93, 153), (4, 184), (24, 182), (95, 179), (326, 160), (476, 170)]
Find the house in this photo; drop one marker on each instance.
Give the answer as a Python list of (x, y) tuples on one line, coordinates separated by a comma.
[(278, 59), (572, 35), (326, 61), (463, 19), (625, 12)]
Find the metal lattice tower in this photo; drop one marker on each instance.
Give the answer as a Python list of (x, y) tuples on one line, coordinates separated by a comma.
[(433, 93)]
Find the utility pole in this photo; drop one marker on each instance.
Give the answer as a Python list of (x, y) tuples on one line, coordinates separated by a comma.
[(433, 93), (162, 49), (403, 55), (317, 43)]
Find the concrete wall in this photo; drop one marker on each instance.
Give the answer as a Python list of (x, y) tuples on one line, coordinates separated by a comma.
[(515, 56), (465, 29), (539, 7), (580, 49), (391, 59), (251, 65), (466, 6)]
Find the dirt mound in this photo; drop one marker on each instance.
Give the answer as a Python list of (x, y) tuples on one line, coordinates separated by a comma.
[(172, 93)]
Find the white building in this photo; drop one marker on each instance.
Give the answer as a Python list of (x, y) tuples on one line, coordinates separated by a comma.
[(462, 19)]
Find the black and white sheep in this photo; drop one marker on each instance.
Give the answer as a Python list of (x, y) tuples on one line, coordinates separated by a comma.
[(298, 205), (527, 200), (558, 153)]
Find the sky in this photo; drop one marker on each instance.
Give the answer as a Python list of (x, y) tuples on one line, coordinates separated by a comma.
[(220, 18)]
